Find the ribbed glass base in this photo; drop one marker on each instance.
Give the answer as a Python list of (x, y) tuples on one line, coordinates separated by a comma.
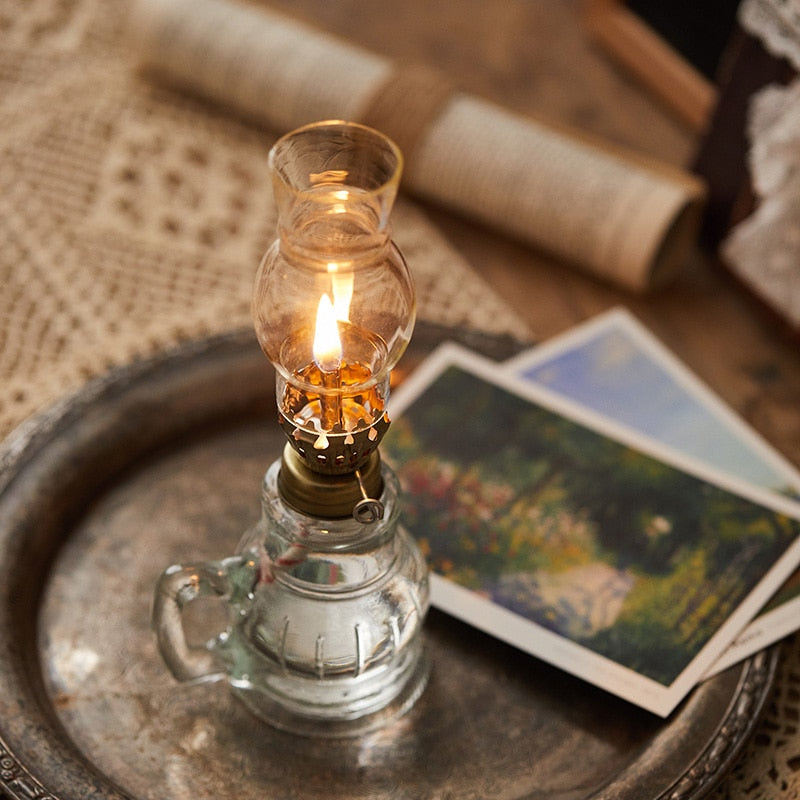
[(309, 708), (325, 633)]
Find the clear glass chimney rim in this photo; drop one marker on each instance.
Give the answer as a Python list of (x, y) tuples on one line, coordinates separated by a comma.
[(336, 152)]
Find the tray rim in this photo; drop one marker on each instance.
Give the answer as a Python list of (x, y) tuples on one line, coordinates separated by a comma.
[(18, 773)]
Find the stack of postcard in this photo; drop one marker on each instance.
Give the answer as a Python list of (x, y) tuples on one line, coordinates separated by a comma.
[(592, 503)]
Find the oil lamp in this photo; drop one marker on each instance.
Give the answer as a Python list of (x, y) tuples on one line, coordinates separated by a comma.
[(327, 593)]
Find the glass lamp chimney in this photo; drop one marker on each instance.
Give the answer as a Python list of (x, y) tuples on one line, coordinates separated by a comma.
[(333, 309)]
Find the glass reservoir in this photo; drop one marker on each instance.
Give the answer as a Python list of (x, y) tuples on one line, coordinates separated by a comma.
[(327, 594)]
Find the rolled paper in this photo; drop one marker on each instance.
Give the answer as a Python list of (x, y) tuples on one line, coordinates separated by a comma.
[(614, 213)]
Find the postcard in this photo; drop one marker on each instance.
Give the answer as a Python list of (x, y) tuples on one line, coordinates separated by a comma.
[(575, 539), (615, 366)]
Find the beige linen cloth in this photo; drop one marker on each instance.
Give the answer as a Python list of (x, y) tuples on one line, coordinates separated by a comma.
[(132, 218)]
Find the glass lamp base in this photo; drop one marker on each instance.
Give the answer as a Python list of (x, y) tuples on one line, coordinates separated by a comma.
[(328, 639), (325, 617)]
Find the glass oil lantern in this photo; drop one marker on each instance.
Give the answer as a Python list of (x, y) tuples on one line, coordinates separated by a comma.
[(327, 594)]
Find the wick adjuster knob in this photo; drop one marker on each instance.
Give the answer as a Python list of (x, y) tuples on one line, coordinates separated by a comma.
[(367, 510)]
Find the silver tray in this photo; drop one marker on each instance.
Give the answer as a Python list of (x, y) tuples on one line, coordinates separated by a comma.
[(161, 462)]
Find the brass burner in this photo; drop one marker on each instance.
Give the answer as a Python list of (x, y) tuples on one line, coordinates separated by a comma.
[(332, 496), (335, 453)]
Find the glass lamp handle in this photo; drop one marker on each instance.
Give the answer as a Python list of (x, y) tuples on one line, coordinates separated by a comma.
[(177, 586)]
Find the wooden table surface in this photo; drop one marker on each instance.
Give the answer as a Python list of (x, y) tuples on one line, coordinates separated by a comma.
[(535, 57)]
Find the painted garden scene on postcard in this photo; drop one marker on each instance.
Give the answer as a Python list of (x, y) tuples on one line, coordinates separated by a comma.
[(627, 556)]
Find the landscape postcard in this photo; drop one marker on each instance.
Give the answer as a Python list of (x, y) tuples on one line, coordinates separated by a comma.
[(575, 538), (615, 366)]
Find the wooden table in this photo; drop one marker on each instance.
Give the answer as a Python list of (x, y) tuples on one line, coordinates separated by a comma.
[(536, 58)]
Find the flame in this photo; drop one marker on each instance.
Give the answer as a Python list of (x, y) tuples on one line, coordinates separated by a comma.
[(327, 347)]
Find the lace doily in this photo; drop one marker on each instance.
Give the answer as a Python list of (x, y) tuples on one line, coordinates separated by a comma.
[(769, 766), (133, 218), (764, 249), (776, 23)]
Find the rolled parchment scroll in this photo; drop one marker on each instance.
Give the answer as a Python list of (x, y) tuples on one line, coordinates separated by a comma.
[(622, 217)]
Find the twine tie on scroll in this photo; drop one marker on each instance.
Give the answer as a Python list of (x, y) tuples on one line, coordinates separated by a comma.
[(406, 104), (616, 214)]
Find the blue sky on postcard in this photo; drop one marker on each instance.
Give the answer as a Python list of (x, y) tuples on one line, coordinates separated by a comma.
[(613, 376)]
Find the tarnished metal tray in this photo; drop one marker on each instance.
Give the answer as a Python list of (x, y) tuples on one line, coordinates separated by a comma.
[(162, 462)]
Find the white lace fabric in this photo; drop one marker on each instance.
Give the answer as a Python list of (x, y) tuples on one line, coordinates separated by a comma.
[(764, 249)]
